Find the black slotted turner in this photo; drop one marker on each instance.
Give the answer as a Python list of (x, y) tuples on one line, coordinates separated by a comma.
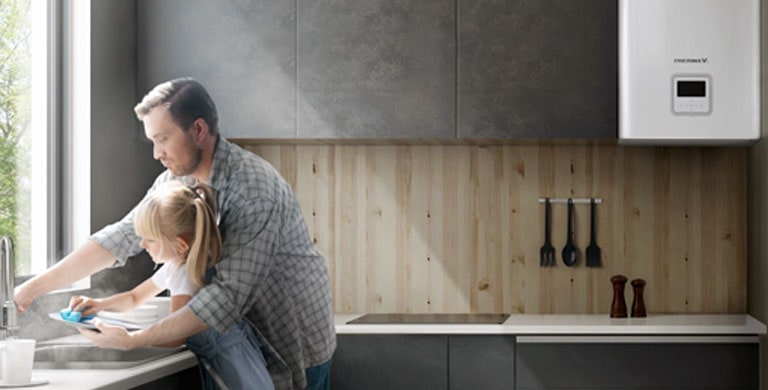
[(593, 251)]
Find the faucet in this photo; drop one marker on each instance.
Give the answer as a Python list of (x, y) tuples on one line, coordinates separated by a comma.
[(8, 324)]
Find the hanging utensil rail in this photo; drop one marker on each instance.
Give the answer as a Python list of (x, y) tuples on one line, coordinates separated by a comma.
[(575, 200)]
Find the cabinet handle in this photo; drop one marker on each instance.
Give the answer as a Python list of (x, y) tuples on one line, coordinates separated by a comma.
[(637, 339)]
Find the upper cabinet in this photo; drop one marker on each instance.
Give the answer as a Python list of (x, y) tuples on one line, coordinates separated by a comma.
[(244, 53), (376, 69), (537, 69)]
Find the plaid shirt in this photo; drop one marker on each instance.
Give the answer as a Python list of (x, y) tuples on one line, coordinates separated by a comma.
[(270, 272)]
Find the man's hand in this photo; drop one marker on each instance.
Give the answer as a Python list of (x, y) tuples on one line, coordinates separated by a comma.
[(114, 337), (84, 261), (23, 297)]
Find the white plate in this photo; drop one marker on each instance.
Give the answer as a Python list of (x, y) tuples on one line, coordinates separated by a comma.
[(127, 318), (141, 311), (89, 323), (33, 382), (143, 314)]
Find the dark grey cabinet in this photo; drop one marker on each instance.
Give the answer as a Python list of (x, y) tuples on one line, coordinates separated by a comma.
[(189, 379), (245, 56), (481, 362), (667, 365), (478, 362), (538, 69), (374, 362), (381, 69), (376, 69), (423, 362)]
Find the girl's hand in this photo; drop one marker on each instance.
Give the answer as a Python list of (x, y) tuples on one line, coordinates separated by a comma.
[(86, 305)]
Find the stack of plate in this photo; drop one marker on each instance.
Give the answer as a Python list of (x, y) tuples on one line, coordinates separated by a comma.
[(144, 314)]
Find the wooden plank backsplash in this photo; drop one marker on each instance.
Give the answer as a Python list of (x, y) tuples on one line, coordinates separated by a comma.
[(457, 228)]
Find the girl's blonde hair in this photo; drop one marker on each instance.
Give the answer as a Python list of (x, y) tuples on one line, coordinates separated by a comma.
[(173, 210)]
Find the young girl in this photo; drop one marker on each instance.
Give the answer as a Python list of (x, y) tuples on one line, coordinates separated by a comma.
[(177, 226)]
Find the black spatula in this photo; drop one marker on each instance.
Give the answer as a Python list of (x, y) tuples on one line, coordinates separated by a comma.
[(593, 251)]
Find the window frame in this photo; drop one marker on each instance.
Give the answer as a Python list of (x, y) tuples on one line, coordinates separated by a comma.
[(68, 184)]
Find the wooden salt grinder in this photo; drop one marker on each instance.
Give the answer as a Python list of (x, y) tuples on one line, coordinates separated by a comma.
[(619, 305), (638, 305)]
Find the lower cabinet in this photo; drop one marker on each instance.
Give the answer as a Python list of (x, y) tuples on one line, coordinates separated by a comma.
[(481, 362), (660, 363), (423, 362), (477, 362), (189, 379), (390, 362)]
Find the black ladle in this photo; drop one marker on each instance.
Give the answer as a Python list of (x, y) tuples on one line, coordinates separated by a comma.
[(570, 252)]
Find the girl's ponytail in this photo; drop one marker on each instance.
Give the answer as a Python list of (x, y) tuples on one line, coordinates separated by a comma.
[(205, 248)]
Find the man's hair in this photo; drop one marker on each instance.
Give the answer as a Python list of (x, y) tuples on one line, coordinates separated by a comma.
[(186, 100)]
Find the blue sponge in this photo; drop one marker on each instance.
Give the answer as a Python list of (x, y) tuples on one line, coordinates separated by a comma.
[(74, 316)]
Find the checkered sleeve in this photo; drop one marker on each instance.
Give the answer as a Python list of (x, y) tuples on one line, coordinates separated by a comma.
[(250, 240), (119, 238)]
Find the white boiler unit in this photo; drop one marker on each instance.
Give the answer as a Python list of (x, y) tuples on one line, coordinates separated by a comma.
[(689, 71)]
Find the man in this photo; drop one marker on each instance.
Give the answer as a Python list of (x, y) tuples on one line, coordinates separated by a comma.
[(270, 272)]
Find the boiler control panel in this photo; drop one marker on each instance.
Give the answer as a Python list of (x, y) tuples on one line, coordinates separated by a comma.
[(691, 94)]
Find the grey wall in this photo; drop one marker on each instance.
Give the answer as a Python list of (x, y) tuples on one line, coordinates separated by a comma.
[(122, 167)]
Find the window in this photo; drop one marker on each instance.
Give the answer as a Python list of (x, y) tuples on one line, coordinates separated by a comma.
[(44, 129)]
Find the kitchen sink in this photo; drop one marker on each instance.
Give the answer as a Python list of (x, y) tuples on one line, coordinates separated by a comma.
[(87, 356)]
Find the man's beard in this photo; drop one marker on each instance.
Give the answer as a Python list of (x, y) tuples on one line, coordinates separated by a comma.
[(196, 157)]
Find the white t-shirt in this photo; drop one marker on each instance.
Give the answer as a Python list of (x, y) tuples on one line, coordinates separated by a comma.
[(173, 277)]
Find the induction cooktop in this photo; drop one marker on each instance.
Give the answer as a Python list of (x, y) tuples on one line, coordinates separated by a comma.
[(433, 318)]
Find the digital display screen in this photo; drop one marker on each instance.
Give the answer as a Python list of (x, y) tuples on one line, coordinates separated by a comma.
[(691, 89)]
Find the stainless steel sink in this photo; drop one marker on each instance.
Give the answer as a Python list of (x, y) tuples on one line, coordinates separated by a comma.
[(86, 356)]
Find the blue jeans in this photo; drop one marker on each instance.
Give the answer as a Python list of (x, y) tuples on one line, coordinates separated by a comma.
[(319, 376), (232, 360)]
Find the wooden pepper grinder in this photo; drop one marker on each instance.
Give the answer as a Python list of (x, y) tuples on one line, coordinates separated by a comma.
[(619, 305), (638, 305)]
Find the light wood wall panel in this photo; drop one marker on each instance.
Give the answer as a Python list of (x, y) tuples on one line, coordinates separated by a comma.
[(457, 228)]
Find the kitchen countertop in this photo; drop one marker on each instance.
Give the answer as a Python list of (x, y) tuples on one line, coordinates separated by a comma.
[(576, 324), (516, 324)]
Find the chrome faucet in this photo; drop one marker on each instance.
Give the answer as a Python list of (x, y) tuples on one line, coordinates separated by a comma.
[(8, 324)]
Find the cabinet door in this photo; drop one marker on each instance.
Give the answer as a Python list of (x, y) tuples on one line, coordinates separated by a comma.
[(538, 69), (374, 362), (666, 365), (481, 362), (189, 379), (376, 69), (245, 56)]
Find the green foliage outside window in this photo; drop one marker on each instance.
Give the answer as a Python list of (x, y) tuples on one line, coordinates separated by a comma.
[(15, 96)]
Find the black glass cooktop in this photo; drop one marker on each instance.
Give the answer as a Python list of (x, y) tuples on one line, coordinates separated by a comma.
[(437, 318)]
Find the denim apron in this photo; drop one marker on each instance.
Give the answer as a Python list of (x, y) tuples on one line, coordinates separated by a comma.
[(232, 360)]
